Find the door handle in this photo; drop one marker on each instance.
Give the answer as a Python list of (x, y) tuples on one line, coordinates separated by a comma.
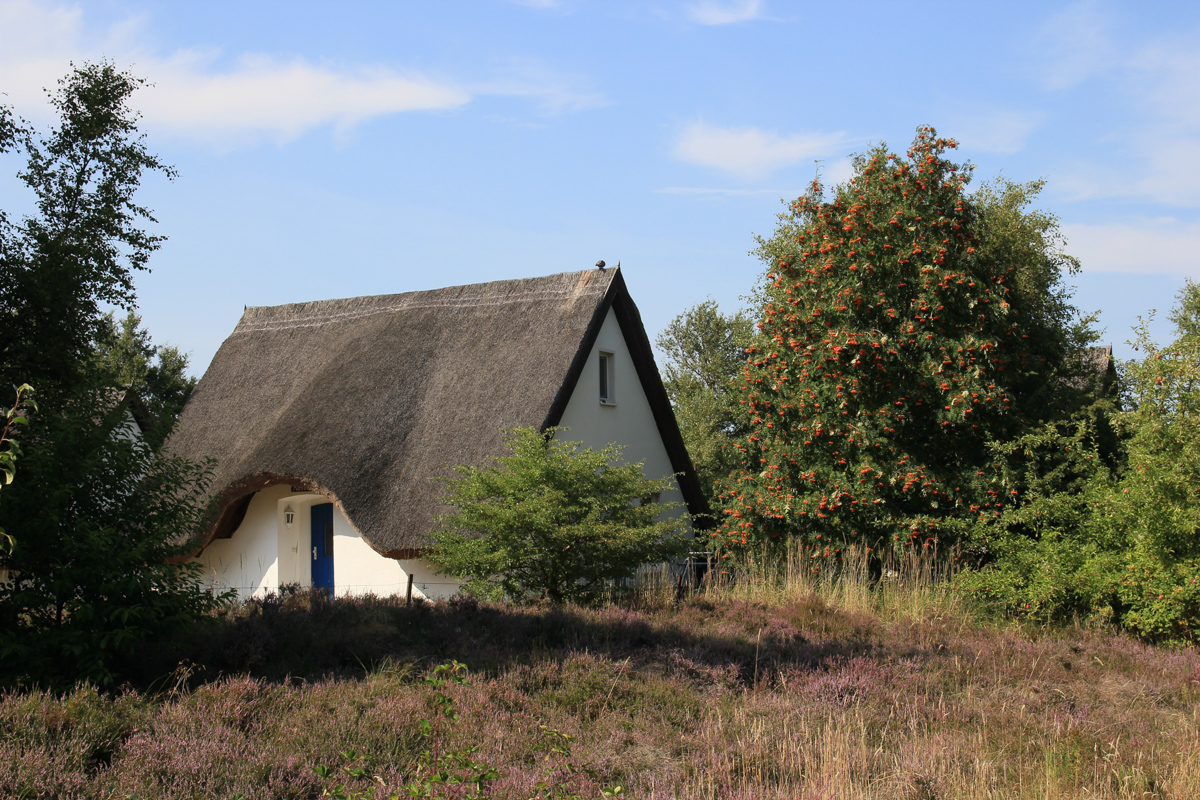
[(314, 554)]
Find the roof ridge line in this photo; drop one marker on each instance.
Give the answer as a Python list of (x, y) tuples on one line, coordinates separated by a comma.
[(313, 313)]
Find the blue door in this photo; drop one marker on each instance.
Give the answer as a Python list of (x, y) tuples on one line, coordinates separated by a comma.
[(322, 546)]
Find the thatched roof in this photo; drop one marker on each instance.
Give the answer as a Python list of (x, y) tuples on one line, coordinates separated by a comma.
[(366, 400), (1097, 372), (1100, 361), (112, 401)]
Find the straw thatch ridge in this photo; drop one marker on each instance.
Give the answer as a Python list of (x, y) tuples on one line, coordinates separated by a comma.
[(368, 400), (1095, 372), (1099, 362)]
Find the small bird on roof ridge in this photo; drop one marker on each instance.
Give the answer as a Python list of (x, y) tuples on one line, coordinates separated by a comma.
[(600, 264)]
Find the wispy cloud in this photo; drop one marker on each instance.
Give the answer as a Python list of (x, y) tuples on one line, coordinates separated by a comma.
[(1155, 84), (1074, 44), (1165, 82), (1164, 246), (751, 153), (534, 79), (700, 190), (203, 95), (714, 12), (38, 40), (1003, 132), (282, 100)]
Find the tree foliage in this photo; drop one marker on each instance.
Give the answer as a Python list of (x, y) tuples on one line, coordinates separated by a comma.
[(896, 344), (1053, 332), (97, 520), (96, 567), (10, 449), (1119, 544), (554, 521), (81, 248), (705, 351)]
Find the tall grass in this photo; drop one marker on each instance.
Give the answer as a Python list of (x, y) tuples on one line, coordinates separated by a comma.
[(897, 585)]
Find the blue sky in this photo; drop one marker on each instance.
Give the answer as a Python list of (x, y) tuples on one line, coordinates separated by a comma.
[(342, 149)]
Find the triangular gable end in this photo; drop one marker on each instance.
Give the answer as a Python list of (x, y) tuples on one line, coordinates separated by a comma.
[(639, 415)]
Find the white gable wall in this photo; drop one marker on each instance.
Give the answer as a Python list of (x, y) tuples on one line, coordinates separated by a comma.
[(628, 421), (248, 560), (357, 568), (129, 430)]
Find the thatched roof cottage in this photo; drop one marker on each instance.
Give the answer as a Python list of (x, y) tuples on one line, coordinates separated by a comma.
[(330, 420)]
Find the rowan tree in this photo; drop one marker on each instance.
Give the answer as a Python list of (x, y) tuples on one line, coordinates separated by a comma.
[(892, 352)]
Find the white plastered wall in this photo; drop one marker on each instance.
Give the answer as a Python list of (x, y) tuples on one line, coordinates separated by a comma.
[(248, 560), (427, 582), (265, 553), (357, 568), (627, 421), (128, 430)]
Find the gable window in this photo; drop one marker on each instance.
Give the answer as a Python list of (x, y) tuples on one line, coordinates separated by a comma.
[(608, 396)]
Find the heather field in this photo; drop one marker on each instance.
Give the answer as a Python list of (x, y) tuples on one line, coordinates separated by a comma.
[(777, 686)]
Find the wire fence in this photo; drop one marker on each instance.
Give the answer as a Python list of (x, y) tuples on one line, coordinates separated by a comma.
[(378, 589)]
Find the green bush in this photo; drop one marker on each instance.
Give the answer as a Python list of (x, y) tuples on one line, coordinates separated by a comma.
[(554, 521), (1111, 542)]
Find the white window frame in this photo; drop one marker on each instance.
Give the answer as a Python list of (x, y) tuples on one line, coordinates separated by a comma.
[(608, 390)]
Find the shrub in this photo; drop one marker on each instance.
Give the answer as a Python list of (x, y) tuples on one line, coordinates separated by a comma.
[(1113, 543), (554, 521)]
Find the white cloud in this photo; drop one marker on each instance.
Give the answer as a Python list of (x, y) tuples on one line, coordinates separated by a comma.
[(202, 95), (1154, 85), (194, 97), (1146, 246), (1172, 173), (37, 42), (263, 96), (751, 153), (532, 78), (713, 12), (1165, 85), (838, 171), (700, 190)]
